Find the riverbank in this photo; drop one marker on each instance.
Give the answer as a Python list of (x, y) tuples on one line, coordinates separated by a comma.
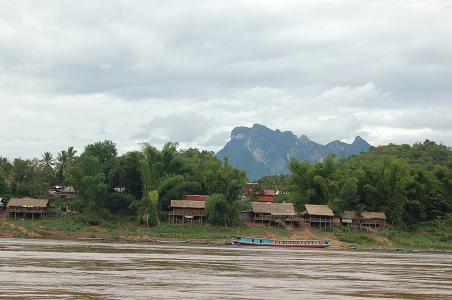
[(124, 229)]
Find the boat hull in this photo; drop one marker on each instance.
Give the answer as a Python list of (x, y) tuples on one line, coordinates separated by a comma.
[(262, 242), (280, 246)]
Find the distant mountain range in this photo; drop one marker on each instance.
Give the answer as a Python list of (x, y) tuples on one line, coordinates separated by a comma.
[(263, 151)]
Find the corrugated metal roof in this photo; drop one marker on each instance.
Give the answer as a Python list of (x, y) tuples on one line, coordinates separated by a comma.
[(318, 210), (276, 209), (28, 202), (188, 204)]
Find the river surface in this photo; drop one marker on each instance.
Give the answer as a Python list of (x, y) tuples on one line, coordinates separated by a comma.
[(45, 269)]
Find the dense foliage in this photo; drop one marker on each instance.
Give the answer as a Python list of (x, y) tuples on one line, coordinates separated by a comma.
[(139, 183), (411, 184)]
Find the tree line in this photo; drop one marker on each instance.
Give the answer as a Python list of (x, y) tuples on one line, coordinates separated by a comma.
[(138, 183), (411, 184)]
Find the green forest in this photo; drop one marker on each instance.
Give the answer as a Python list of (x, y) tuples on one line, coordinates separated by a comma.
[(147, 180), (410, 183)]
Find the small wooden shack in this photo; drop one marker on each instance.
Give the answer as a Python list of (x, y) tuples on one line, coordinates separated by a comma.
[(348, 217), (276, 214), (318, 216), (27, 208), (187, 211), (67, 193), (372, 220)]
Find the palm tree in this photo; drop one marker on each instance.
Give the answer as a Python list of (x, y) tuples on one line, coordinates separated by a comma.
[(71, 154), (65, 159), (47, 159)]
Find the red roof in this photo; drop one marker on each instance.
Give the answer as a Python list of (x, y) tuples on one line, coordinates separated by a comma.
[(264, 198), (196, 197)]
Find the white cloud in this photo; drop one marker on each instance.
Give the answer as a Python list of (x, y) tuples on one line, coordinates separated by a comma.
[(72, 74)]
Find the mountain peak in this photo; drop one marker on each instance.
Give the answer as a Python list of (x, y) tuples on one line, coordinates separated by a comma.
[(259, 126), (304, 137), (263, 151), (360, 141)]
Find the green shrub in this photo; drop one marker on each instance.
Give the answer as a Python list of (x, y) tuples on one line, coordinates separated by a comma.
[(221, 211)]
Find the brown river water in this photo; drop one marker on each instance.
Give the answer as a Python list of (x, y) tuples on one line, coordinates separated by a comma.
[(45, 269)]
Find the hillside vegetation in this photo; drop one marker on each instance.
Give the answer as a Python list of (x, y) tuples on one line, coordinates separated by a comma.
[(411, 184)]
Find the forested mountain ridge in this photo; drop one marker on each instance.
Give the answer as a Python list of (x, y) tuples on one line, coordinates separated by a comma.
[(263, 152)]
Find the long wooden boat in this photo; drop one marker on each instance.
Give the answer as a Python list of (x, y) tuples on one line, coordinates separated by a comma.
[(251, 241)]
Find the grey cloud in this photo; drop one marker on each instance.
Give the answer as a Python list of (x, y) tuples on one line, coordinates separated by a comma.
[(191, 71), (184, 127)]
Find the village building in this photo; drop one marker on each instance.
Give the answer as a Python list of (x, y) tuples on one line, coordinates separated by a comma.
[(253, 191), (27, 208), (372, 220), (281, 214), (187, 211), (67, 193), (318, 216), (348, 218), (267, 195)]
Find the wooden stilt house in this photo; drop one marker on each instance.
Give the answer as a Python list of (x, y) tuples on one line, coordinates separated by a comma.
[(348, 218), (187, 211), (372, 220), (27, 208), (318, 216), (278, 214)]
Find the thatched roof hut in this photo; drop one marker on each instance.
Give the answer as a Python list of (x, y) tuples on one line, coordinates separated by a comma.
[(28, 203), (348, 214), (367, 215), (373, 220), (188, 204), (27, 207), (348, 217), (187, 211), (273, 209), (318, 210), (318, 215)]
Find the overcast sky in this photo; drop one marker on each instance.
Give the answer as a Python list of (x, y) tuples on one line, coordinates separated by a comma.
[(76, 72)]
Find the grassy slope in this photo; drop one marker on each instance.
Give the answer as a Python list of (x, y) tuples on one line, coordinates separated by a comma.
[(429, 235)]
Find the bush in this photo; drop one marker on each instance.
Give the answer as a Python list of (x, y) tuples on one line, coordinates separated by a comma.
[(92, 218), (119, 202), (353, 236), (220, 211)]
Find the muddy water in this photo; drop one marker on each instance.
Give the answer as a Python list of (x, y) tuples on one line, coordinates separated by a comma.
[(41, 269)]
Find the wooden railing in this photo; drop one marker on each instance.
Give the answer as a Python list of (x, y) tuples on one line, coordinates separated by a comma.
[(26, 211), (320, 219)]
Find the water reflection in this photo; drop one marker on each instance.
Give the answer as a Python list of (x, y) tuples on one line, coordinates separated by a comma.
[(41, 269)]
